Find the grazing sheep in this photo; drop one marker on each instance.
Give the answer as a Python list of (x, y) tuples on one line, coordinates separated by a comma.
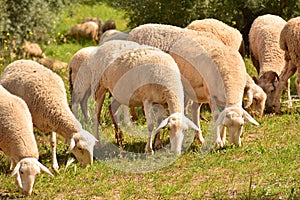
[(289, 43), (17, 140), (266, 54), (204, 63), (112, 34), (228, 35), (233, 38), (139, 75), (45, 95), (52, 63), (32, 50), (253, 91), (75, 63), (88, 29), (109, 24)]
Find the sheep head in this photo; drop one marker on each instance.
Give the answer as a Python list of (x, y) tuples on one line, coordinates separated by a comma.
[(232, 118), (82, 146), (177, 123), (26, 171), (268, 82)]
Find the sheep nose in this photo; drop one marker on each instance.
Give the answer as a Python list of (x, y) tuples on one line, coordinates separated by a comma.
[(26, 193)]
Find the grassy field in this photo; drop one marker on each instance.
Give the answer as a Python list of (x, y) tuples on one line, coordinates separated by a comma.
[(267, 166)]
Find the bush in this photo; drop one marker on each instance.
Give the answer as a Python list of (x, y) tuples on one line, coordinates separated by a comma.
[(32, 20)]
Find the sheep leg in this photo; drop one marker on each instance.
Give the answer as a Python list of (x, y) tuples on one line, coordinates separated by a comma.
[(297, 83), (196, 119), (113, 108), (289, 70), (53, 146), (147, 108), (99, 99), (290, 103), (84, 104)]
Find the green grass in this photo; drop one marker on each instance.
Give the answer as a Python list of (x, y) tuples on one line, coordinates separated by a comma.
[(265, 167)]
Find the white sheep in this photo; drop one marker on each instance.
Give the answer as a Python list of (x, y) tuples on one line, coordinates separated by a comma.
[(17, 140), (289, 43), (233, 38), (75, 63), (211, 72), (228, 35), (139, 75), (266, 54), (45, 95), (112, 34), (256, 93)]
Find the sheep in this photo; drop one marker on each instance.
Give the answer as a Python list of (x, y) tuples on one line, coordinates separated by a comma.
[(17, 140), (289, 43), (32, 50), (52, 63), (74, 65), (228, 35), (233, 38), (109, 24), (253, 91), (139, 75), (112, 34), (45, 95), (88, 29), (204, 63), (266, 55)]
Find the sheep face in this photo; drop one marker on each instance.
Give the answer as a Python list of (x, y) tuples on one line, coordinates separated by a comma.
[(26, 171), (177, 123), (268, 82), (82, 146), (234, 122), (232, 118)]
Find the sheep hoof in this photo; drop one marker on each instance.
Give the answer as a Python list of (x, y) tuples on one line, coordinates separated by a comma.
[(55, 168)]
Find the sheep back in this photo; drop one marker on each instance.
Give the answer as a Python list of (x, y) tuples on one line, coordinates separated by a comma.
[(45, 95), (146, 72), (289, 40), (228, 35), (16, 130), (264, 37)]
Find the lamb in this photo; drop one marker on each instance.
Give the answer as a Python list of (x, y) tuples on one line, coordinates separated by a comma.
[(75, 63), (45, 95), (266, 54), (88, 29), (233, 38), (204, 64), (289, 43), (112, 34), (32, 50), (139, 75), (228, 35), (53, 63), (17, 140)]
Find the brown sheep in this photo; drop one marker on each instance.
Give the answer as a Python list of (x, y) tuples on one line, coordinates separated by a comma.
[(85, 30), (52, 63), (109, 24), (32, 50)]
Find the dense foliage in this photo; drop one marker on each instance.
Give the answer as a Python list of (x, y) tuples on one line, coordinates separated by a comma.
[(237, 13), (26, 20)]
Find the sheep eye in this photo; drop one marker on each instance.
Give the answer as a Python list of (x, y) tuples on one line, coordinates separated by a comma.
[(80, 149), (21, 172)]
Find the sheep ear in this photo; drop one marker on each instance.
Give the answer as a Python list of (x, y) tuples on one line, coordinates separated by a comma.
[(44, 168), (249, 118), (72, 145), (16, 169), (191, 124), (162, 124)]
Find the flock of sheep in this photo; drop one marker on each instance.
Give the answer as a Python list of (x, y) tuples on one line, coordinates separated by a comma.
[(151, 64)]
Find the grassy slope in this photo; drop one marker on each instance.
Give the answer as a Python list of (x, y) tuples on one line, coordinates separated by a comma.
[(265, 167)]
